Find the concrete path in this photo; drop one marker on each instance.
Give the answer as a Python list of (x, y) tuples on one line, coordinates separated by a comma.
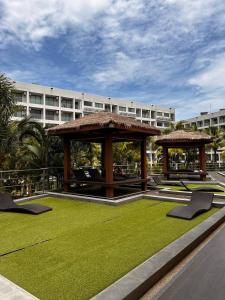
[(11, 291), (203, 277), (217, 176)]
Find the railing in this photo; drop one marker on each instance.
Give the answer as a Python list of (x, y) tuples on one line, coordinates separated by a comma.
[(21, 183)]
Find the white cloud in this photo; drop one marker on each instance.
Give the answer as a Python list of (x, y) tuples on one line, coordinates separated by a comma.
[(31, 21), (211, 78), (158, 43)]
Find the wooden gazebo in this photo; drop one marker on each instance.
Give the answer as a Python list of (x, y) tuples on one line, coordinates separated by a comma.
[(105, 128), (184, 139)]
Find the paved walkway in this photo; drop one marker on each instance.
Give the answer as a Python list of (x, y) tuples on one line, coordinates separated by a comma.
[(203, 277), (10, 291), (217, 176)]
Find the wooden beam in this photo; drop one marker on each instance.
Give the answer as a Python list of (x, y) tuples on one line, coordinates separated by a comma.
[(67, 162), (202, 162), (144, 164), (108, 165)]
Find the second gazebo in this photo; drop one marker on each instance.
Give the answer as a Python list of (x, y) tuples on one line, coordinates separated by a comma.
[(105, 128), (184, 139)]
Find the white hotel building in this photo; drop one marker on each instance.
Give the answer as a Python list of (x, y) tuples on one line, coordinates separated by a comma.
[(52, 106), (206, 120)]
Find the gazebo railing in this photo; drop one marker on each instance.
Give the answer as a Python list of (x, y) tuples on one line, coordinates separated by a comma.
[(27, 182)]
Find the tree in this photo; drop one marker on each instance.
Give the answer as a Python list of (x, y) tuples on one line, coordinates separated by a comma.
[(7, 101), (218, 136)]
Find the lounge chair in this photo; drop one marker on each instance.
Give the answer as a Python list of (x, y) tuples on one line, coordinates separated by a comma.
[(202, 188), (8, 205), (158, 181), (200, 202), (80, 175), (95, 175)]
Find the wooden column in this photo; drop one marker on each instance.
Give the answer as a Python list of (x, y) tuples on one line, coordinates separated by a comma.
[(67, 163), (202, 162), (165, 162), (103, 156), (144, 164), (108, 165)]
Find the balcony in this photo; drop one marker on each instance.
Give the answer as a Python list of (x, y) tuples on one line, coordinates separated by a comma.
[(66, 116), (67, 103), (52, 115), (52, 101), (36, 114)]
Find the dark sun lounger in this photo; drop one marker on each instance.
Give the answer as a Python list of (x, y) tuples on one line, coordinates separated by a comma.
[(202, 188), (158, 181), (200, 202), (8, 205)]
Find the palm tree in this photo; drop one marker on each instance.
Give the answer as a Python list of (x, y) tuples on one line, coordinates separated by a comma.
[(7, 101), (218, 136)]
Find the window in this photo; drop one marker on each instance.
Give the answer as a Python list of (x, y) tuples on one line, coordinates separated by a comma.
[(138, 112), (77, 104), (130, 109), (52, 101), (159, 114), (66, 116), (160, 124), (36, 99), (67, 102), (77, 115), (167, 115), (36, 113), (52, 115), (152, 114), (98, 105), (172, 117), (21, 96), (21, 113), (145, 113), (87, 103), (122, 108)]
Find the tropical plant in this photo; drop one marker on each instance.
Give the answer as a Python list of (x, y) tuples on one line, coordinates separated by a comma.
[(218, 136)]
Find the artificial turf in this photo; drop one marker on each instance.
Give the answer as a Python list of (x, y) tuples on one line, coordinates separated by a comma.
[(79, 248), (195, 185)]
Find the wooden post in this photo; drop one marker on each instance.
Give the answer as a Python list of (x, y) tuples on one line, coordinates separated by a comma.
[(202, 162), (103, 156), (165, 162), (67, 163), (144, 164), (108, 165)]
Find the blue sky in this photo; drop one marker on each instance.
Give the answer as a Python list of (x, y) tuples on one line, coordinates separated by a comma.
[(166, 52)]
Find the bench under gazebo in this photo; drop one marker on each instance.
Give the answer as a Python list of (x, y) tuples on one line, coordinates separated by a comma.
[(184, 139), (105, 128)]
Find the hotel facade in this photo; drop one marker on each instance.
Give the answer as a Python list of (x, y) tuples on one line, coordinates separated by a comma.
[(52, 106), (206, 120)]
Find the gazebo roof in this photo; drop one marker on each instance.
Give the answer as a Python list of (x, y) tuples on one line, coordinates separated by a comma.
[(184, 138), (100, 121)]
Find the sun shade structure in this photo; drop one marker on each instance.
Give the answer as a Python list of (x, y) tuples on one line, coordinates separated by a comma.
[(184, 139), (105, 128)]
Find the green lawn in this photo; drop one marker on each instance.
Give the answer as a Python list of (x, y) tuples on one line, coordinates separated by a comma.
[(79, 248), (193, 185)]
